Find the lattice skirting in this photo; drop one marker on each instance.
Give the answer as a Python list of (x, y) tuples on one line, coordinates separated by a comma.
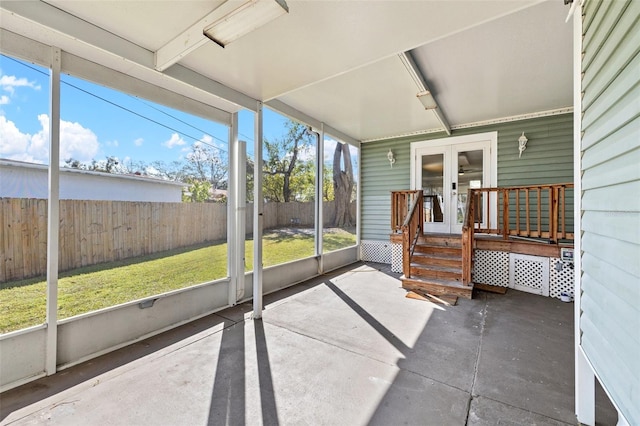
[(396, 258), (535, 274), (529, 273), (376, 251), (561, 278), (491, 267)]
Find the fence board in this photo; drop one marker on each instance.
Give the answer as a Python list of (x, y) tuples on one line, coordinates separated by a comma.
[(93, 231)]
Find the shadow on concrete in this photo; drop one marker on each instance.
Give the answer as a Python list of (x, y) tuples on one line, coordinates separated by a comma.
[(228, 397), (267, 393), (377, 325), (45, 387)]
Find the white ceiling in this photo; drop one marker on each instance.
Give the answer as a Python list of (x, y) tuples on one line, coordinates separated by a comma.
[(336, 61)]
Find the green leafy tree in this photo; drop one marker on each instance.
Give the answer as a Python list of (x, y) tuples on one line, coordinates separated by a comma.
[(283, 164), (197, 192), (327, 184)]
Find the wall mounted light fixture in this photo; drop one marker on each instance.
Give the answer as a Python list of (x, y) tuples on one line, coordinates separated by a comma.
[(391, 158), (522, 144)]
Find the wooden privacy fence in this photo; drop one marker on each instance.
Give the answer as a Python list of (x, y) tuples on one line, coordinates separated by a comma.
[(93, 232)]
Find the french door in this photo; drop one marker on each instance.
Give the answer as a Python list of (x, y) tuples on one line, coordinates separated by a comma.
[(445, 172)]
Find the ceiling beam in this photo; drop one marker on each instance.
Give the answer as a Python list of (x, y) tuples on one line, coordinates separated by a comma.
[(298, 115), (421, 84), (190, 39), (49, 25)]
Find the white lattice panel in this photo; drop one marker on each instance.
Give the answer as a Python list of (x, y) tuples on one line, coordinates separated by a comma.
[(396, 258), (375, 251), (560, 281), (491, 267), (529, 273)]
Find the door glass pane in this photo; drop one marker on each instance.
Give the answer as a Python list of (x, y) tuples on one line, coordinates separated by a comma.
[(432, 185), (469, 176)]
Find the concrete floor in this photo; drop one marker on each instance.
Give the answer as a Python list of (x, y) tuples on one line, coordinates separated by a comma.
[(344, 349)]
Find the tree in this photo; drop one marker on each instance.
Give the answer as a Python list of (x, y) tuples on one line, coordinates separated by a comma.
[(198, 191), (283, 163), (109, 165), (342, 185), (327, 184), (206, 163)]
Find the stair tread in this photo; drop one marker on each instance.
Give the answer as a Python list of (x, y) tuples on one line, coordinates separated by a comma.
[(438, 246), (448, 256), (431, 244), (441, 268), (436, 281)]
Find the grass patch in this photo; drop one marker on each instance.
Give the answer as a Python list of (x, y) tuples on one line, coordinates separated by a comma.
[(23, 303)]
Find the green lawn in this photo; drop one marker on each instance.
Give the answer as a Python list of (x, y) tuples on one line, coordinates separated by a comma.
[(23, 303)]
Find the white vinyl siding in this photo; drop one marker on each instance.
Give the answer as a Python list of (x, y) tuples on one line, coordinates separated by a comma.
[(610, 282)]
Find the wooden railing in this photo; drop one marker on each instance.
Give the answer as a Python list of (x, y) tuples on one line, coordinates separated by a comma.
[(401, 202), (407, 216), (538, 211), (467, 239)]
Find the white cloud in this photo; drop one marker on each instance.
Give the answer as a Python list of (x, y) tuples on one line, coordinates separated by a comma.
[(329, 148), (138, 142), (13, 143), (113, 143), (8, 83), (76, 141), (4, 100), (175, 140)]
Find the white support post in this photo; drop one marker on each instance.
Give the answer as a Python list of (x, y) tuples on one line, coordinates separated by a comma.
[(258, 209), (241, 217), (319, 201), (232, 200), (53, 211), (585, 390), (585, 393), (236, 211), (358, 194)]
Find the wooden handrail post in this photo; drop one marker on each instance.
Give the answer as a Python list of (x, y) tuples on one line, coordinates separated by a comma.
[(505, 213), (517, 212), (539, 211), (553, 213), (563, 233)]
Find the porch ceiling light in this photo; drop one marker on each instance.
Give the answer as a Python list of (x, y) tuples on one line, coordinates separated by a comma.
[(249, 16), (426, 98)]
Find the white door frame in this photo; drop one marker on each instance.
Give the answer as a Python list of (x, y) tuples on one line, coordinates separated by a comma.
[(492, 160)]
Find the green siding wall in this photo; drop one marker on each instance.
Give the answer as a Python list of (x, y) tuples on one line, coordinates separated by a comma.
[(610, 300), (547, 159)]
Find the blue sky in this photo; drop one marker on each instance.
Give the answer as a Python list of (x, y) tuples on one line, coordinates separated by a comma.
[(93, 127)]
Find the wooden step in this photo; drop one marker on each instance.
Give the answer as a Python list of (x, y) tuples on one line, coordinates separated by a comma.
[(444, 250), (437, 259), (438, 287), (442, 240), (436, 272)]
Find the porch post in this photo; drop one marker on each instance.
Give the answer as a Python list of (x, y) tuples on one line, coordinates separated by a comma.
[(232, 227), (584, 374), (236, 211), (53, 214), (258, 209), (319, 201)]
